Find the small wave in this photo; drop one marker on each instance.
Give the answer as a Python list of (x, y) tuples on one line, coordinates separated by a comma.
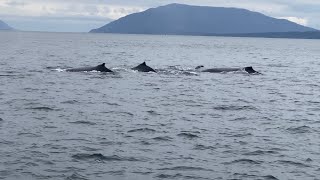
[(70, 102), (244, 176), (146, 130), (299, 130), (234, 108), (118, 112), (42, 108), (100, 157), (153, 113), (142, 173), (32, 135), (111, 143), (259, 152), (7, 75), (163, 138), (298, 164), (184, 168), (244, 161), (203, 147), (188, 135), (178, 176), (76, 176), (112, 104), (83, 122), (240, 135), (117, 173)]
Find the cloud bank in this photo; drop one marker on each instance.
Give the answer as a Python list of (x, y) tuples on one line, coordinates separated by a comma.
[(83, 15)]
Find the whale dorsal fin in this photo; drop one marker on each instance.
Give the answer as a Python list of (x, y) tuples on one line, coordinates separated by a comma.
[(144, 63), (250, 70), (102, 65)]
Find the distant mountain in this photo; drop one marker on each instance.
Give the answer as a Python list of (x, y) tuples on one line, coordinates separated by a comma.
[(4, 26), (198, 20)]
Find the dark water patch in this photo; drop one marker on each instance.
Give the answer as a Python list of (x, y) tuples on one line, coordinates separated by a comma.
[(244, 161), (50, 127), (111, 143), (117, 173), (73, 139), (100, 157), (240, 176), (7, 75), (184, 168), (260, 152), (299, 130), (153, 113), (240, 119), (35, 71), (179, 176), (234, 108), (1, 119), (119, 113), (145, 143), (70, 102), (26, 134), (144, 130), (240, 135), (163, 138), (6, 142), (111, 104), (298, 164), (188, 135), (44, 162), (31, 164), (203, 147), (83, 122), (142, 173), (43, 108), (76, 176)]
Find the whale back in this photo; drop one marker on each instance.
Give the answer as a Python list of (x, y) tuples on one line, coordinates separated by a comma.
[(143, 68), (101, 68)]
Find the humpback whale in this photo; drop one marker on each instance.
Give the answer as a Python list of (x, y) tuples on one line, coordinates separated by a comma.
[(248, 69), (143, 68), (101, 68)]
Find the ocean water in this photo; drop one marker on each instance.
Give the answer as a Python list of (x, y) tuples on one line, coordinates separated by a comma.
[(174, 124)]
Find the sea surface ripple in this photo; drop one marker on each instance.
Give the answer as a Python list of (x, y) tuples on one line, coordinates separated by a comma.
[(175, 124)]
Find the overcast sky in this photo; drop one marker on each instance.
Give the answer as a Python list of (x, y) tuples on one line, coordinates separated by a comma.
[(83, 15)]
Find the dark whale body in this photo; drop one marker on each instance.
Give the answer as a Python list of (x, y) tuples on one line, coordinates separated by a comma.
[(248, 69), (101, 68), (143, 68)]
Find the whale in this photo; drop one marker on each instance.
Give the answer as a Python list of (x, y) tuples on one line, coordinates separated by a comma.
[(100, 68), (143, 67), (248, 69)]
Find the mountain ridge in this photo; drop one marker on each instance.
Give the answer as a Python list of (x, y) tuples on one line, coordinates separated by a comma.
[(5, 26)]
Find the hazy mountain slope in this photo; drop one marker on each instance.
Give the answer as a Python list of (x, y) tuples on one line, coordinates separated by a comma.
[(4, 26)]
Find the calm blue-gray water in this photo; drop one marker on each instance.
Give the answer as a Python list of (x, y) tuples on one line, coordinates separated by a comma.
[(174, 124)]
